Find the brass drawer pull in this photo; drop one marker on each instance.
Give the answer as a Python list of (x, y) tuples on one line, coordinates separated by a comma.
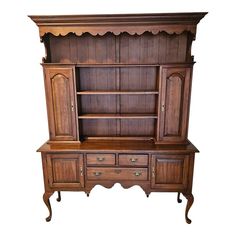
[(117, 171), (100, 158), (97, 173), (137, 173), (133, 160)]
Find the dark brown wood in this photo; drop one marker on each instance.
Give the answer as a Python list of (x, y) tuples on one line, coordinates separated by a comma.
[(46, 200), (59, 196), (122, 146), (117, 92), (65, 170), (61, 103), (179, 200), (117, 116), (111, 65), (131, 23), (101, 159), (170, 171), (174, 103), (118, 95), (114, 174), (190, 200), (133, 160), (128, 138)]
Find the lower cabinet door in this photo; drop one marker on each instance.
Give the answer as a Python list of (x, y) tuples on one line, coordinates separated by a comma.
[(170, 172), (65, 170)]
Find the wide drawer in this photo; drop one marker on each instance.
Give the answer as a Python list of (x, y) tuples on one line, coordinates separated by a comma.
[(133, 160), (100, 159), (109, 173)]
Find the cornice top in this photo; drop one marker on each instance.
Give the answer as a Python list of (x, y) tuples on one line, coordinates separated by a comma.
[(118, 23)]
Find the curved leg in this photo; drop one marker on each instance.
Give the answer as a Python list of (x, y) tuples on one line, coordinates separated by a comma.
[(190, 199), (46, 197), (179, 200), (59, 196)]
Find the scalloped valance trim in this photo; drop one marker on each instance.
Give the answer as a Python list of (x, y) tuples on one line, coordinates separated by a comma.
[(116, 30)]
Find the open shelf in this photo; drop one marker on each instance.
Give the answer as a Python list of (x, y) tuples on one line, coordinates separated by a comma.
[(117, 101), (117, 92), (117, 116)]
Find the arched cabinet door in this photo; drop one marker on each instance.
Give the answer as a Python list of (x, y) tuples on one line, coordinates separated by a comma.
[(61, 103), (175, 86)]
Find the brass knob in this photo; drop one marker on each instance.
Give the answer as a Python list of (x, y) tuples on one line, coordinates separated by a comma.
[(137, 173), (133, 159), (81, 171), (100, 158), (97, 173)]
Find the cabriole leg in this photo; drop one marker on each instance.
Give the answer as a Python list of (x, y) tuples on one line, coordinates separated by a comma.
[(46, 197), (179, 200), (190, 199), (59, 196)]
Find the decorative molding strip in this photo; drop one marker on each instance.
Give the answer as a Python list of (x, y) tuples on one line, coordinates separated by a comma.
[(171, 23)]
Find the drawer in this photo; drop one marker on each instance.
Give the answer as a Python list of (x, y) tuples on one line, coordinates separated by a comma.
[(110, 173), (133, 160), (101, 159)]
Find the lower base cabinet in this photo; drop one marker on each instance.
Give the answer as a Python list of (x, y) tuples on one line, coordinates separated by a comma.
[(170, 172), (65, 170), (153, 172)]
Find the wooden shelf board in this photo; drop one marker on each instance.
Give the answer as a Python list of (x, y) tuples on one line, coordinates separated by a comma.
[(118, 138), (117, 92), (115, 65), (117, 116)]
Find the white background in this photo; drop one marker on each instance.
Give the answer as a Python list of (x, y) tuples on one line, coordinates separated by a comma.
[(23, 128)]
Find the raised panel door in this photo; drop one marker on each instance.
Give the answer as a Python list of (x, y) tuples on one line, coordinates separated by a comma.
[(61, 103), (175, 85), (170, 172), (65, 170)]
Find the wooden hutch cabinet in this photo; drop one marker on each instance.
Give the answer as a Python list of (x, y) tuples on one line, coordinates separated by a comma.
[(118, 95)]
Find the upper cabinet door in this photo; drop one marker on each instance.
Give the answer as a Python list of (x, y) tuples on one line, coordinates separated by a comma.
[(175, 86), (61, 104)]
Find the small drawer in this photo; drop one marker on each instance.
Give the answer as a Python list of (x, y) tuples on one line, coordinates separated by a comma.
[(101, 159), (133, 160), (114, 174)]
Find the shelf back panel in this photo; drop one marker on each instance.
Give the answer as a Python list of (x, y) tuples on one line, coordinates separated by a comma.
[(123, 48), (96, 79), (117, 127)]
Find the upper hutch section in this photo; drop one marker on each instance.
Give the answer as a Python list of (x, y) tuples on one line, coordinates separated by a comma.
[(127, 38)]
